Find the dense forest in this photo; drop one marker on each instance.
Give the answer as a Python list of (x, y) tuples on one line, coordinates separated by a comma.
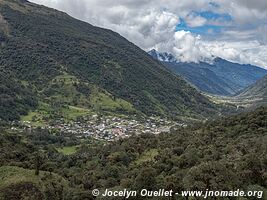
[(56, 69), (221, 155), (41, 45), (15, 98)]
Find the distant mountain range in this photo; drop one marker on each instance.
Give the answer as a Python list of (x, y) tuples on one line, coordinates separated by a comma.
[(249, 98), (219, 77), (255, 95), (258, 89), (56, 61)]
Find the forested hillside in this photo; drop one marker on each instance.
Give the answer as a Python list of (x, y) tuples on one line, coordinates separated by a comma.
[(15, 98), (222, 155), (82, 108), (53, 53), (256, 94), (250, 98)]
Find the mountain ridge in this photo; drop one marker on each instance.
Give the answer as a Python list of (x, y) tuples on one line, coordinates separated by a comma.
[(254, 95), (219, 76), (53, 53)]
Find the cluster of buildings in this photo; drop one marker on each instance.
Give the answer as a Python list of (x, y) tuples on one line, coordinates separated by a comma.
[(111, 128)]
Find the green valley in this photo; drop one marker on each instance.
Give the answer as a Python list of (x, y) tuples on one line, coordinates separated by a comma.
[(226, 154), (84, 110), (65, 62)]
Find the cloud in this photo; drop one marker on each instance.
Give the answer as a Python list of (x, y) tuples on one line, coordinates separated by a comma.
[(212, 27), (185, 46), (259, 5), (195, 21), (139, 21), (188, 47)]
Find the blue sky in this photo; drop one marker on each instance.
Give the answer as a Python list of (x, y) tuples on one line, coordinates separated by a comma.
[(202, 30), (208, 28), (192, 30)]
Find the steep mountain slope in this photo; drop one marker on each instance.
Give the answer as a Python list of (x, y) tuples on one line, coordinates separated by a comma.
[(15, 98), (221, 77), (257, 89), (70, 62), (250, 98), (255, 95)]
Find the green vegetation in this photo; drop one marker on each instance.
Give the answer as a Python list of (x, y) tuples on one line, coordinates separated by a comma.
[(148, 156), (13, 175), (15, 99), (67, 150), (252, 97), (53, 67), (106, 102), (19, 183), (227, 154), (73, 112), (64, 62), (45, 113)]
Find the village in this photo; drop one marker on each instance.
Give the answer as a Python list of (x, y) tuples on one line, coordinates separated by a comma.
[(110, 128)]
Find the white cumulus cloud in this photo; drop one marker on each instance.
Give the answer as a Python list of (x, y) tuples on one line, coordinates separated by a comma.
[(152, 24)]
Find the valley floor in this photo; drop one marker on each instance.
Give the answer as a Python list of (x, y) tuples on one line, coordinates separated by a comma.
[(225, 154)]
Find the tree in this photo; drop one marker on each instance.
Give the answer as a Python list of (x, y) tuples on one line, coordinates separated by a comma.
[(37, 162), (146, 179)]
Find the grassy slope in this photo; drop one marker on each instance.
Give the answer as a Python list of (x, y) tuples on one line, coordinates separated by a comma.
[(13, 175), (68, 150), (16, 178), (55, 47), (67, 102)]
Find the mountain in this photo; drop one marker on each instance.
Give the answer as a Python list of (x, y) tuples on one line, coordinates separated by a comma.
[(255, 95), (163, 57), (249, 98), (259, 89), (65, 62), (219, 77), (15, 99)]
